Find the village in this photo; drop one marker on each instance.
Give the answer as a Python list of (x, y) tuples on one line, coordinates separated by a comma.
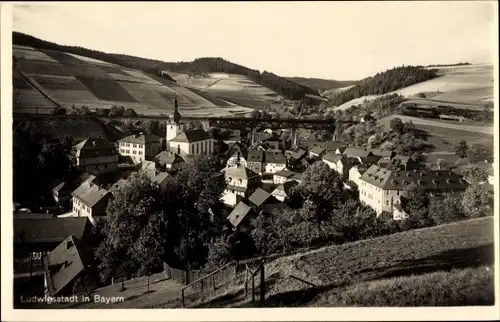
[(259, 178)]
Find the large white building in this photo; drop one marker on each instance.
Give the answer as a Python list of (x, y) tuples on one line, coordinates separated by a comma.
[(90, 200), (95, 155), (140, 147), (381, 189)]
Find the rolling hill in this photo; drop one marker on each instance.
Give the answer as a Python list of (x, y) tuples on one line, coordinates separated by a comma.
[(44, 78), (322, 85), (274, 83), (469, 86)]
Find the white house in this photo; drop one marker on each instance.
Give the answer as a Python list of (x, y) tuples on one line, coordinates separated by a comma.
[(241, 183), (274, 162), (355, 174), (140, 147), (90, 200), (95, 155)]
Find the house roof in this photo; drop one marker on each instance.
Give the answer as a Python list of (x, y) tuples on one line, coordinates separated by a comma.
[(147, 166), (297, 153), (141, 138), (259, 197), (65, 263), (285, 173), (297, 176), (84, 177), (330, 146), (285, 187), (93, 147), (317, 149), (357, 152), (90, 193), (255, 156), (239, 213), (239, 172), (274, 157), (383, 153), (332, 157), (398, 180), (49, 230), (160, 178), (192, 136), (165, 157)]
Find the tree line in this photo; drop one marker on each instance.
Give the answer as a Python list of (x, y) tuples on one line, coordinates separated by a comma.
[(385, 82)]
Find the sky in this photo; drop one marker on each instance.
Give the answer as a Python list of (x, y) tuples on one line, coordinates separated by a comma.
[(334, 40)]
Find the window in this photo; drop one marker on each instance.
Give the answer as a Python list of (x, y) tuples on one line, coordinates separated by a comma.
[(192, 149), (387, 202), (133, 152), (178, 149)]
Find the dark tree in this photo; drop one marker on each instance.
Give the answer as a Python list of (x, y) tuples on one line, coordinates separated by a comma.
[(461, 149)]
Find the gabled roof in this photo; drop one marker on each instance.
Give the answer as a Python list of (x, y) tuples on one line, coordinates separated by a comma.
[(357, 152), (141, 138), (274, 157), (192, 136), (383, 153), (317, 149), (428, 179), (49, 230), (160, 178), (332, 157), (259, 197), (239, 172), (93, 147), (255, 156), (165, 157), (84, 177), (239, 213), (65, 263), (147, 166), (285, 187), (297, 153), (285, 173), (90, 194)]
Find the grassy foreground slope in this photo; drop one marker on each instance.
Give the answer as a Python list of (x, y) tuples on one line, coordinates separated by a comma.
[(368, 272)]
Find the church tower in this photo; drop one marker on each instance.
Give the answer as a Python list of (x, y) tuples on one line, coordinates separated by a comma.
[(174, 126)]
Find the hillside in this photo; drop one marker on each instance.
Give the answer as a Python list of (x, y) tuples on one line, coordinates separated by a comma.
[(385, 82), (45, 78), (320, 84), (281, 85), (410, 262), (469, 86)]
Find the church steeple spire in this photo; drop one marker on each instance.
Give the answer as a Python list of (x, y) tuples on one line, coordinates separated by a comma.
[(177, 115)]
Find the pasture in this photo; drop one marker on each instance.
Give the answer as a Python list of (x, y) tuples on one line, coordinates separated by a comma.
[(471, 85)]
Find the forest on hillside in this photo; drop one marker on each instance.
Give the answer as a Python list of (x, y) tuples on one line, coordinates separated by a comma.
[(385, 82), (281, 85), (321, 84)]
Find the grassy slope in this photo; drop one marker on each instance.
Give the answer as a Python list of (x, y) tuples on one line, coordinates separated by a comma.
[(472, 85), (367, 269), (321, 84)]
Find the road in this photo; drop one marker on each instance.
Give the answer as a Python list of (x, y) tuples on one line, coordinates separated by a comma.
[(456, 126)]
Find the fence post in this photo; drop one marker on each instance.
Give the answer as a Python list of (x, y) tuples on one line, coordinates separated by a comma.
[(246, 280), (213, 282), (253, 289), (262, 285), (182, 295), (236, 271), (201, 286)]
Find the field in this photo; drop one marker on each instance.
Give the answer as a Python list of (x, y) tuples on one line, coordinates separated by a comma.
[(471, 85), (75, 80), (444, 265), (236, 89), (443, 134)]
